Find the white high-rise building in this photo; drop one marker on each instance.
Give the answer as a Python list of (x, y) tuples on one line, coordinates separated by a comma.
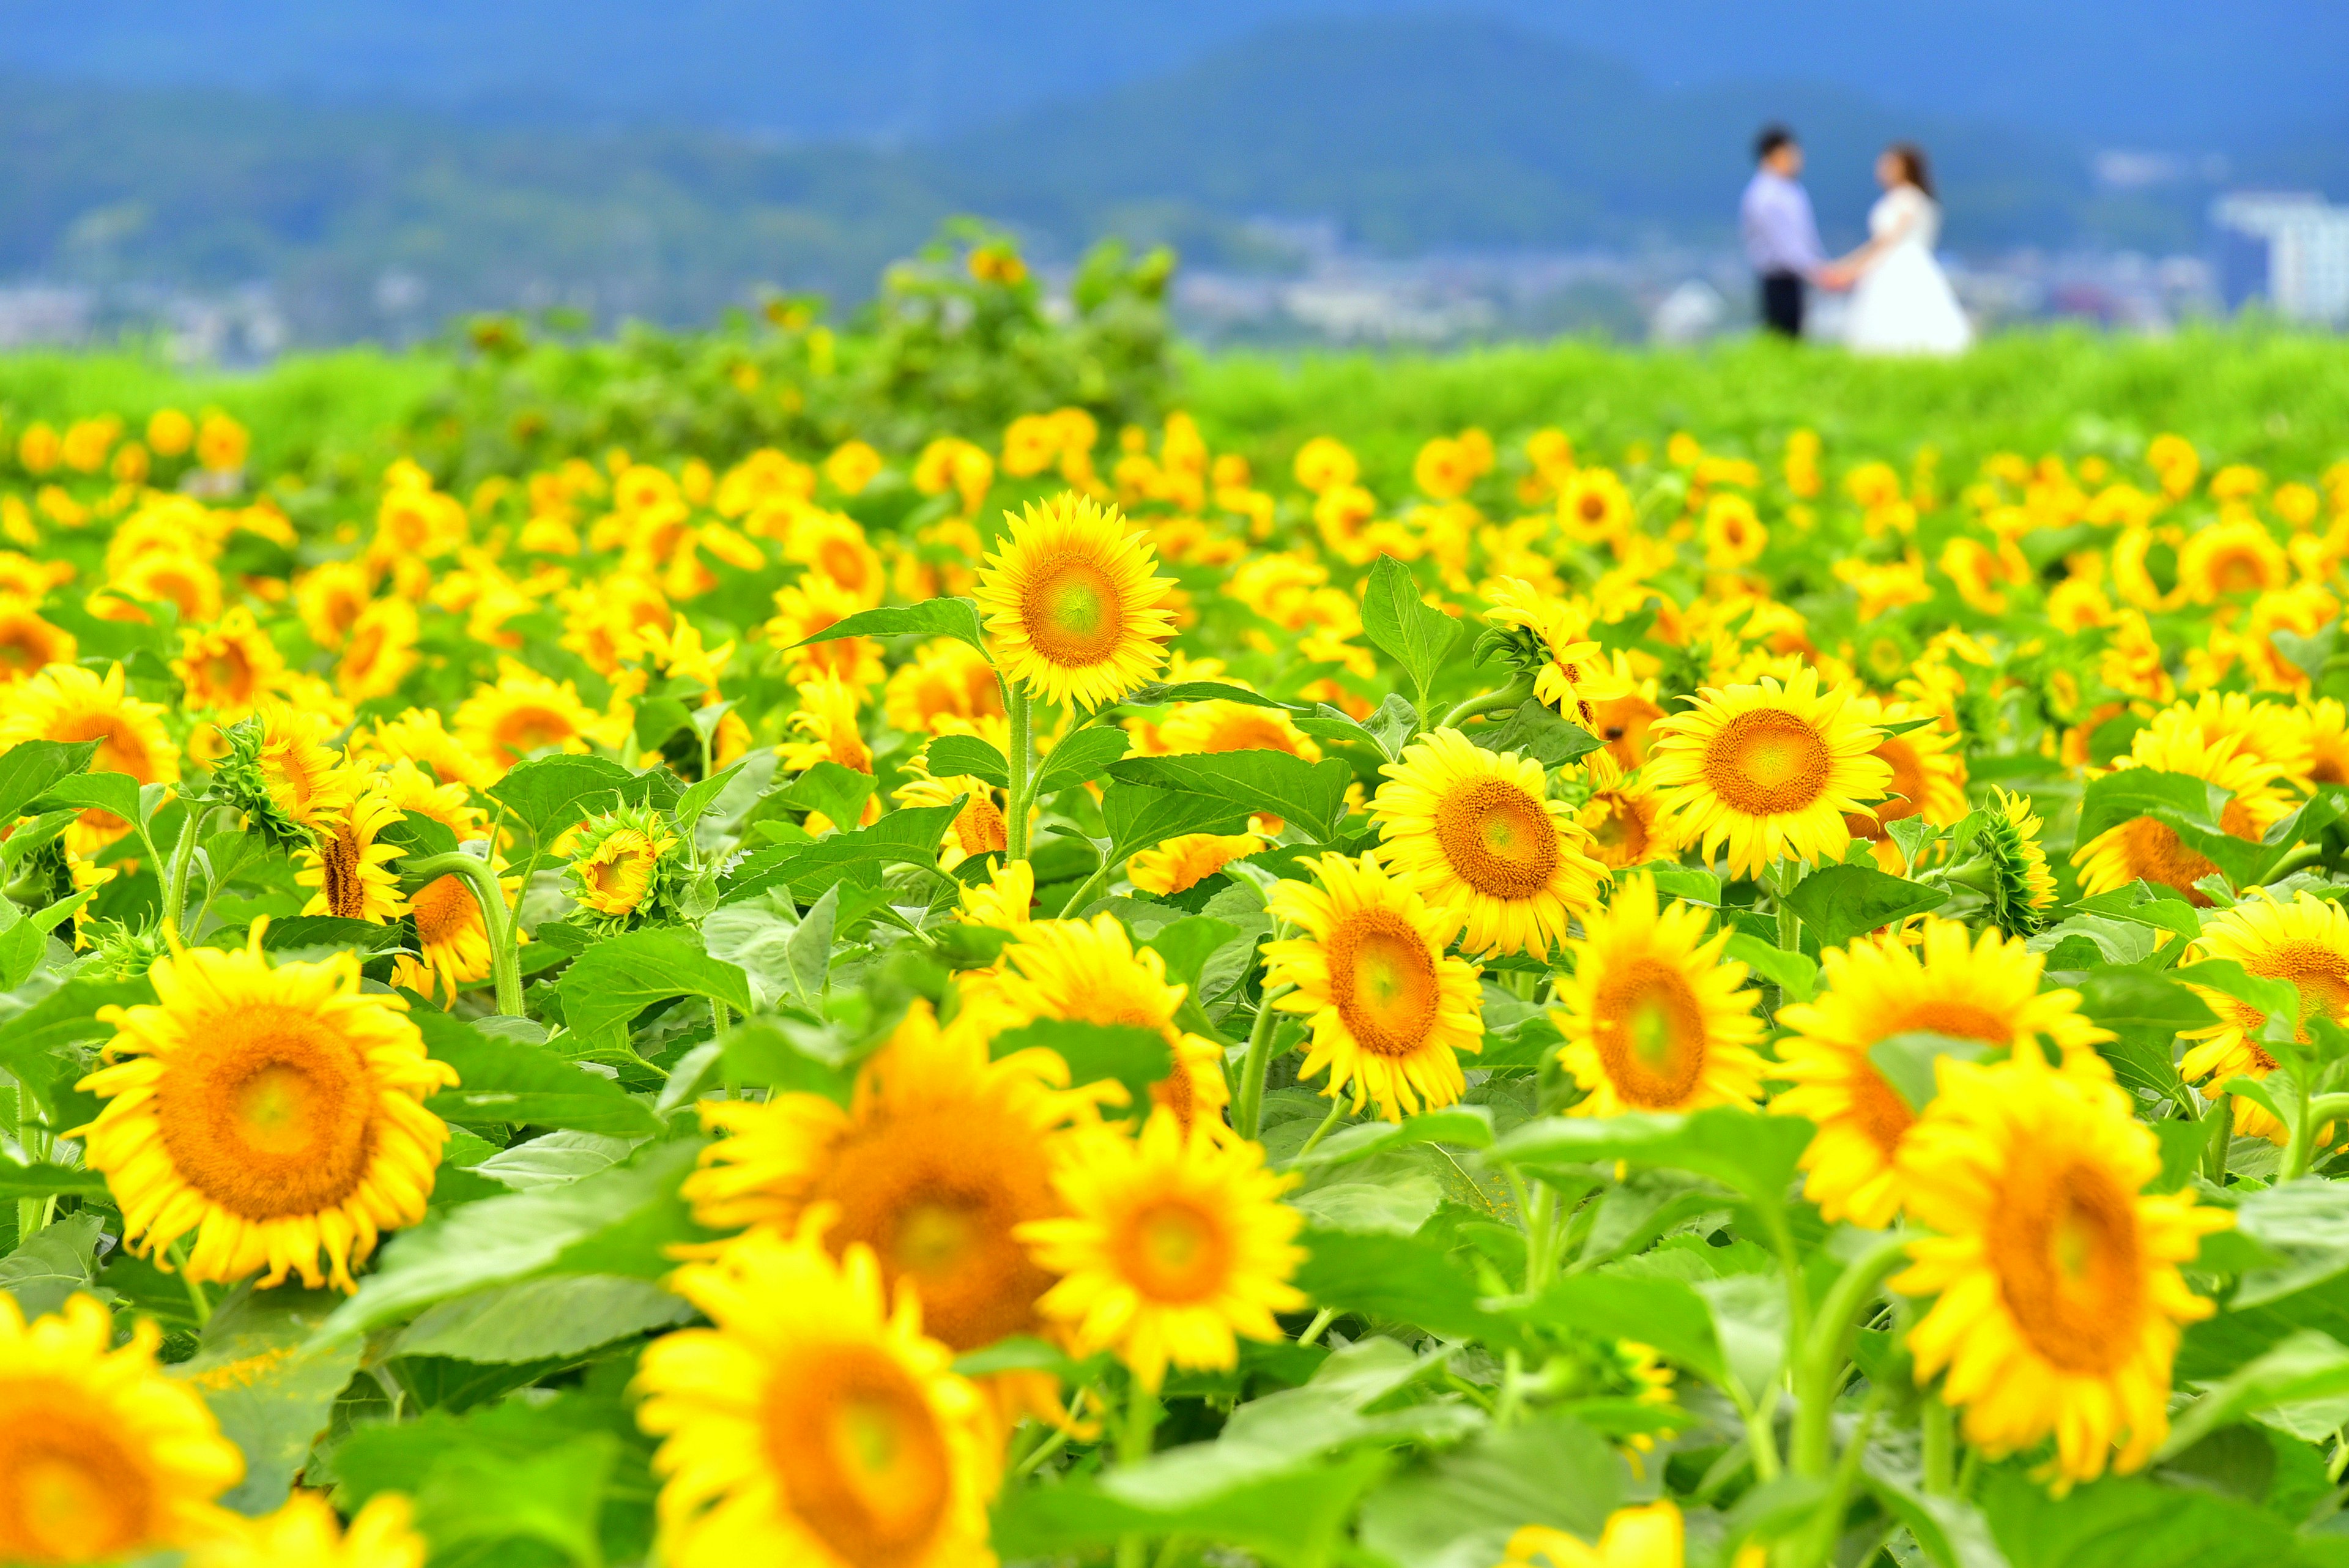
[(2306, 240)]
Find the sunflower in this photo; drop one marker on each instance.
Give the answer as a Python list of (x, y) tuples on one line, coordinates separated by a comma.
[(621, 863), (306, 1533), (2016, 883), (1175, 1244), (815, 604), (1570, 674), (947, 678), (1620, 816), (172, 577), (277, 1113), (834, 546), (228, 667), (1929, 776), (418, 736), (1650, 1535), (330, 597), (1389, 1008), (1624, 719), (1476, 830), (1656, 1019), (1594, 507), (2060, 1297), (812, 1424), (2233, 555), (1088, 971), (2325, 723), (1948, 983), (2306, 941), (1003, 901), (1220, 724), (979, 828), (1071, 608), (379, 652), (2145, 848), (940, 1154), (102, 1456), (522, 713), (30, 644), (1182, 863), (350, 865), (1733, 533), (827, 715), (452, 940), (306, 778), (1767, 770), (67, 703)]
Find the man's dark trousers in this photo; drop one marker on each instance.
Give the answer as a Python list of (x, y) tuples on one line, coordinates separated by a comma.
[(1782, 303)]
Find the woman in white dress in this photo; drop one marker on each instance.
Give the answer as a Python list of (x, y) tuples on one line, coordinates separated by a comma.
[(1900, 302)]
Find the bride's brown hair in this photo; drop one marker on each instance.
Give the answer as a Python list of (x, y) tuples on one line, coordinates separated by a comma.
[(1912, 166)]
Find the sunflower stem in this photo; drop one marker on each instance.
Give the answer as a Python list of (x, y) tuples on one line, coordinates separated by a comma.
[(497, 920), (1937, 1435), (1023, 744), (197, 1298), (1819, 1370), (2299, 1152), (1248, 1104), (1134, 1441), (183, 856), (1086, 891), (1321, 1320), (1337, 1109), (1513, 695), (2221, 1114)]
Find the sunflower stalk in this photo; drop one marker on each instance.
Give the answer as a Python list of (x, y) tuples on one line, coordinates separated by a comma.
[(184, 856), (1826, 1350), (2315, 1111), (1513, 695), (1133, 1443), (1248, 1104), (1024, 746), (497, 920)]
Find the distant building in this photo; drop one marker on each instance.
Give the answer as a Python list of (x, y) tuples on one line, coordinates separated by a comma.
[(2289, 248)]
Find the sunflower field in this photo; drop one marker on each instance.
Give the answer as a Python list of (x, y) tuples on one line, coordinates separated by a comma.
[(1025, 989)]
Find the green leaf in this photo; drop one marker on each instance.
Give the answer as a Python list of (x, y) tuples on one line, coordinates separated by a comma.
[(293, 933), (1118, 1052), (117, 792), (1952, 1531), (44, 1180), (1907, 1063), (1187, 944), (1399, 623), (554, 1160), (551, 795), (840, 793), (29, 769), (475, 1498), (2128, 1522), (2277, 1000), (1141, 818), (966, 756), (1080, 758), (809, 950), (33, 1047), (1534, 731), (2146, 1012), (419, 835), (1689, 883), (1310, 795), (606, 986), (1796, 974), (2305, 1225), (1293, 1518), (2128, 793), (908, 835), (2308, 1366), (952, 618), (1157, 694), (512, 1083), (1397, 1279), (1461, 1126), (1460, 1510), (268, 1385), (1667, 1314), (499, 1241), (536, 1320), (60, 1260), (1751, 1152), (761, 1052), (702, 793), (1841, 902), (755, 935)]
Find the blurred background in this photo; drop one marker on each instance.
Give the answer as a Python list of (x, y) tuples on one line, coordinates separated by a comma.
[(236, 179)]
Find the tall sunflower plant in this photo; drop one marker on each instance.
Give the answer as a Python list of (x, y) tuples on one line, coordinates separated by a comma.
[(1644, 1015)]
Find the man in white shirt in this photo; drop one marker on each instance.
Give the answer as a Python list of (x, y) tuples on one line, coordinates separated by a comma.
[(1781, 238)]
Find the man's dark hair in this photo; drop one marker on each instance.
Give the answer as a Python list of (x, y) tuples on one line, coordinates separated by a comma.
[(1773, 137)]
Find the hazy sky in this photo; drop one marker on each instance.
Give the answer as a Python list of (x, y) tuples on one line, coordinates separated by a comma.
[(2185, 74)]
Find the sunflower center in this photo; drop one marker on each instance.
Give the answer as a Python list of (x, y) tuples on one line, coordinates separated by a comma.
[(444, 909), (2064, 1241), (1178, 1093), (1593, 506), (1903, 797), (858, 1454), (1957, 1019), (980, 830), (842, 563), (268, 1111), (1620, 836), (68, 1492), (1649, 1034), (1766, 761), (1072, 613), (1498, 837), (529, 727), (340, 878), (1384, 981), (1622, 723), (1884, 1117), (2155, 855), (936, 1192), (2320, 975), (1173, 1250), (2238, 572)]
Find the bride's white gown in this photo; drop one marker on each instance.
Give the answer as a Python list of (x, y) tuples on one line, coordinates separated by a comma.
[(1902, 303)]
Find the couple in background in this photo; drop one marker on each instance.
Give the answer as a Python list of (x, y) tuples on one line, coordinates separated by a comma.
[(1901, 301)]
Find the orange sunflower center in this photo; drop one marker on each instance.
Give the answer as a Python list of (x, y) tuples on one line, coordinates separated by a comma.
[(858, 1455), (2318, 972), (2063, 1241), (527, 727), (1957, 1019), (1649, 1029), (1621, 836), (1622, 723), (68, 1492), (2155, 854), (340, 878), (1497, 838), (1174, 1251), (936, 1193), (1767, 761), (1070, 612), (1384, 982), (444, 909), (267, 1112), (980, 830), (1903, 797)]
